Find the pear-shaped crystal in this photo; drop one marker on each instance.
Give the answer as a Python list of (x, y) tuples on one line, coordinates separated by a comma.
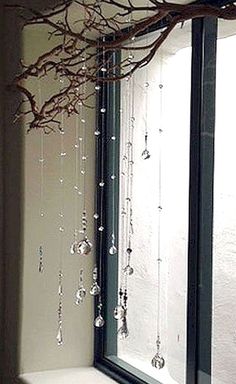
[(123, 331), (59, 336), (80, 295), (95, 289), (99, 321), (84, 246), (119, 312)]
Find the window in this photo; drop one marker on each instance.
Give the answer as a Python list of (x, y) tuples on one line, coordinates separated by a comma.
[(191, 240)]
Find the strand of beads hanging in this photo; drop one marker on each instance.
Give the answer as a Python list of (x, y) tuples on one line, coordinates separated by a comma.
[(95, 289), (158, 360), (59, 312), (128, 270), (99, 321), (81, 291), (113, 248), (123, 331), (41, 266)]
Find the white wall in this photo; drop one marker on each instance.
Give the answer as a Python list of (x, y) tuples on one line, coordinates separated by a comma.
[(38, 346)]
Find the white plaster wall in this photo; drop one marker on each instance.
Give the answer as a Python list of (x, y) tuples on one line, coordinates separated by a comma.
[(38, 346)]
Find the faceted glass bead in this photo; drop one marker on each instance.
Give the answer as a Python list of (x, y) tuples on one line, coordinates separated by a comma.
[(119, 312), (84, 246), (96, 216), (101, 228), (103, 110), (99, 321), (158, 361), (101, 184), (113, 177), (97, 132), (95, 289), (97, 87), (145, 154), (113, 250)]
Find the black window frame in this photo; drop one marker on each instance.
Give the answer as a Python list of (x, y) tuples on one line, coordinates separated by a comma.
[(199, 299)]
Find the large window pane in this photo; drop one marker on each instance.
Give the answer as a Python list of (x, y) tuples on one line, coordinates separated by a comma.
[(224, 275), (166, 106)]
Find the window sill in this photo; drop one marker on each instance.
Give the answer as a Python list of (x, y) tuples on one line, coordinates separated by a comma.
[(87, 375)]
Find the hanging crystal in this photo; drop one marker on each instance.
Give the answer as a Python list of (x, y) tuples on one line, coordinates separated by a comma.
[(84, 247), (128, 270), (99, 321), (95, 289), (81, 292), (123, 331), (158, 361), (119, 311), (113, 249), (146, 154)]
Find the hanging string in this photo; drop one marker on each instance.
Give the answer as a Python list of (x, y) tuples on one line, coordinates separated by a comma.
[(41, 209), (61, 234), (158, 360)]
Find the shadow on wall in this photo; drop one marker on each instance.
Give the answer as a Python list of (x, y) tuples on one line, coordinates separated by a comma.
[(11, 202)]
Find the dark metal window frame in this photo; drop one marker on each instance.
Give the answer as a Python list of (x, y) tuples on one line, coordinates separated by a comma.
[(199, 300)]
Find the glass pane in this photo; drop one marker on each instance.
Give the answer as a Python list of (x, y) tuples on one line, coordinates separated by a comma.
[(224, 267), (153, 208)]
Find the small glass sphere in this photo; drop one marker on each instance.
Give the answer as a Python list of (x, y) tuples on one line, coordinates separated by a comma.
[(41, 160), (42, 214), (61, 229), (113, 138), (160, 86), (146, 85), (84, 158), (76, 146), (96, 216), (61, 180), (82, 172), (97, 132), (101, 228), (103, 110), (99, 322), (103, 69), (113, 177), (101, 184), (113, 250), (97, 87), (80, 138), (63, 154), (119, 312), (83, 121)]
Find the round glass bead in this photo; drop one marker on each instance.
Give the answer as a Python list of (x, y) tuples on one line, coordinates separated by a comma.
[(96, 216), (103, 110), (113, 250), (97, 87), (145, 154), (99, 321), (101, 228), (97, 132), (101, 184)]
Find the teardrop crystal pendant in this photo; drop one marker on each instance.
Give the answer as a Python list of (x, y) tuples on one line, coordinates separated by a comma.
[(113, 249), (95, 289), (84, 246), (146, 154), (99, 321), (59, 336), (128, 270), (119, 312), (158, 361), (123, 331)]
